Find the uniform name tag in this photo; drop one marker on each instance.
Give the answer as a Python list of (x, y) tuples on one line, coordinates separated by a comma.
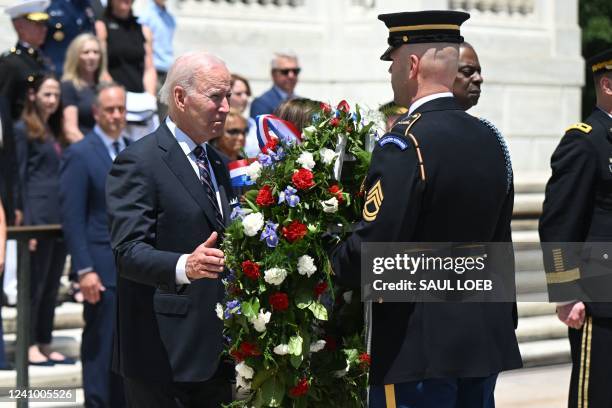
[(394, 140)]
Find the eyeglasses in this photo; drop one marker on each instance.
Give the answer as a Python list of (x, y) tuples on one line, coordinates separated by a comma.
[(286, 71), (237, 131)]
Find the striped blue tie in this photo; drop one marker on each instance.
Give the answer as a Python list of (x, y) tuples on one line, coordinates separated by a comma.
[(202, 162)]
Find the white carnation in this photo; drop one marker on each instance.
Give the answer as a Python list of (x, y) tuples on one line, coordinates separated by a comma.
[(252, 223), (275, 276), (254, 170), (244, 370), (219, 310), (330, 206), (317, 346), (242, 383), (306, 159), (281, 349), (306, 265), (308, 131), (328, 156), (259, 322)]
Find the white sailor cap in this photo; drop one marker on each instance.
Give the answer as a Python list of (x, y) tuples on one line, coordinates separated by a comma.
[(33, 10)]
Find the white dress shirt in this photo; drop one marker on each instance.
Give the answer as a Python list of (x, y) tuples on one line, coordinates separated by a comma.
[(188, 145), (426, 99), (108, 142)]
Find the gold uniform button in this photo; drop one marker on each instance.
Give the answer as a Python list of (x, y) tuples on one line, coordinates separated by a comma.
[(30, 51), (13, 49), (58, 25), (405, 38), (58, 36)]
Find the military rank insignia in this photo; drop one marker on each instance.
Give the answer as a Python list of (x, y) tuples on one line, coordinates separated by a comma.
[(373, 202)]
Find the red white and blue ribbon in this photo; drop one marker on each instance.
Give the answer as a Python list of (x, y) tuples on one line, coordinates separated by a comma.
[(238, 173), (270, 126)]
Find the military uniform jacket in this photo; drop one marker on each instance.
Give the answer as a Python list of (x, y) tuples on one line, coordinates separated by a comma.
[(19, 66), (576, 218), (440, 176)]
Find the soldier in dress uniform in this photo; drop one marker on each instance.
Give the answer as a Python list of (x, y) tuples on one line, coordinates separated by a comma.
[(67, 19), (440, 175), (22, 63), (576, 234)]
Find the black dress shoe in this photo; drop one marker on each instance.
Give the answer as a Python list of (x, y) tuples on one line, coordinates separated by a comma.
[(46, 363), (65, 360)]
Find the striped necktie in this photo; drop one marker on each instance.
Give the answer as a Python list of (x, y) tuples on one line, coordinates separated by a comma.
[(206, 180)]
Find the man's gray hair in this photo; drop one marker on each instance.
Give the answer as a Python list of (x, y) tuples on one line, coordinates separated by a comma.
[(280, 55), (183, 73), (104, 85)]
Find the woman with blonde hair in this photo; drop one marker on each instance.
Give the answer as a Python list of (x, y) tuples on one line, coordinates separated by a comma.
[(84, 67)]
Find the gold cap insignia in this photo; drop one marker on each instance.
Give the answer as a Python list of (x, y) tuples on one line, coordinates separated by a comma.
[(373, 202)]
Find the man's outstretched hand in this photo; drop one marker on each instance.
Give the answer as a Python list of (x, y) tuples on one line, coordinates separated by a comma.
[(206, 261)]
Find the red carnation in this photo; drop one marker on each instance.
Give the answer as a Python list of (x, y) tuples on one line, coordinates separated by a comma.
[(320, 288), (337, 192), (302, 179), (300, 389), (330, 343), (325, 107), (279, 301), (238, 356), (270, 146), (344, 106), (294, 231), (250, 269), (365, 359), (265, 197), (334, 122), (249, 349)]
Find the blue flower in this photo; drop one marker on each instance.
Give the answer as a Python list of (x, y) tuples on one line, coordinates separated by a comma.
[(278, 155), (264, 159), (269, 234), (289, 196), (237, 212), (315, 118), (231, 307)]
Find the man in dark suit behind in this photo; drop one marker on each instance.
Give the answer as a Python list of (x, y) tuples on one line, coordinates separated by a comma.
[(285, 70), (83, 172), (167, 198)]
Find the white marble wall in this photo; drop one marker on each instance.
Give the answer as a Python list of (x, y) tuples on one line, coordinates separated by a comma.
[(529, 50)]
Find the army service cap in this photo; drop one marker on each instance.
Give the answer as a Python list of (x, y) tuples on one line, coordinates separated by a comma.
[(418, 27), (601, 62), (33, 10)]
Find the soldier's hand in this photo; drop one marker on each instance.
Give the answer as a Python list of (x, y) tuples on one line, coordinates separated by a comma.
[(206, 261), (572, 314), (91, 286)]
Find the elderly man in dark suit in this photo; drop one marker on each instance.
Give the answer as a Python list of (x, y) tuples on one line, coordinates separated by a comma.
[(285, 71), (168, 201), (84, 168)]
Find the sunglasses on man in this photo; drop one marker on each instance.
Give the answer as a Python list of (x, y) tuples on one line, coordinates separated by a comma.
[(237, 131), (286, 71)]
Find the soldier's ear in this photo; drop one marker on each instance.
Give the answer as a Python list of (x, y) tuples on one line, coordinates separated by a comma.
[(605, 84)]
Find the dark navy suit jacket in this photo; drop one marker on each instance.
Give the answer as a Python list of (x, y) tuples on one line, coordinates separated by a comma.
[(159, 210), (38, 163), (266, 103), (84, 168)]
